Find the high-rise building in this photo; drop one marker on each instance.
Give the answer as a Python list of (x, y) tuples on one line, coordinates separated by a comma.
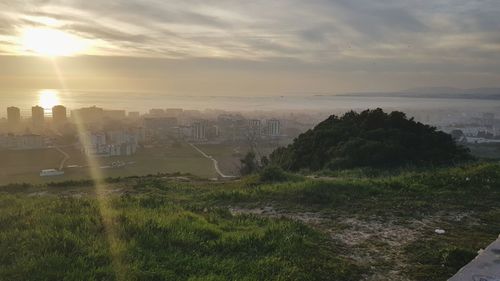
[(199, 130), (254, 126), (488, 118), (156, 112), (273, 127), (59, 115), (88, 114), (134, 115), (115, 114), (13, 115), (37, 116), (173, 112)]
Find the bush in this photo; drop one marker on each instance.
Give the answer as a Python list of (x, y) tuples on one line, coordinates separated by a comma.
[(71, 183), (276, 174), (249, 164)]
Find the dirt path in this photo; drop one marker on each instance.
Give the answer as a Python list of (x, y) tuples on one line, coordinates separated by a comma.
[(214, 161), (64, 160)]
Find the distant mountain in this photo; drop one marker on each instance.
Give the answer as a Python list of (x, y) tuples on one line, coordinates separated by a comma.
[(437, 92), (434, 90)]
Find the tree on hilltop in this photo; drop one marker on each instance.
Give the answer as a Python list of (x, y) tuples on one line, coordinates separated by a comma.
[(371, 138)]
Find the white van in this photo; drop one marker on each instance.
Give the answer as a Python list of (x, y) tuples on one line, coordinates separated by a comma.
[(51, 173)]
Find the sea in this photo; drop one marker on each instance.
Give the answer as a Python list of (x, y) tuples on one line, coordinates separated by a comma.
[(143, 101)]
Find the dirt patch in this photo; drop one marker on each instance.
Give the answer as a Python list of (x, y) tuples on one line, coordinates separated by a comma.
[(355, 232), (377, 244), (374, 243), (38, 194), (270, 211)]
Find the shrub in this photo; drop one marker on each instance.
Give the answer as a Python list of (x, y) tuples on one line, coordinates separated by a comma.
[(276, 174)]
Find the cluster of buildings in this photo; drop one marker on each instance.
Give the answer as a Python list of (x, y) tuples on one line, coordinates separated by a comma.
[(21, 135), (98, 131), (477, 129), (38, 119), (112, 143), (22, 142), (117, 132), (191, 126)]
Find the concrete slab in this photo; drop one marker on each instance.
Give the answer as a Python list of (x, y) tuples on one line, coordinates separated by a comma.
[(485, 267)]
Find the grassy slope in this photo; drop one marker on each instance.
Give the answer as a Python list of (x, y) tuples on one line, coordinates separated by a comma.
[(64, 239), (168, 230)]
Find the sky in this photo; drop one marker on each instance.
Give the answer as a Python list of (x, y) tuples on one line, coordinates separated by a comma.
[(249, 47)]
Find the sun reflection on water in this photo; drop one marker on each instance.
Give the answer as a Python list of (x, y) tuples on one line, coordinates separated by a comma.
[(48, 98)]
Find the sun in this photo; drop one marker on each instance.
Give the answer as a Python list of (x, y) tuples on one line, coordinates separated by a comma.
[(48, 99), (52, 42)]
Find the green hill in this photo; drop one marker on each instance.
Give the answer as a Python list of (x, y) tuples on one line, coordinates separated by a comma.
[(371, 138)]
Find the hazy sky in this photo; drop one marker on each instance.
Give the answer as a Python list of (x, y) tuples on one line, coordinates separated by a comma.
[(253, 47)]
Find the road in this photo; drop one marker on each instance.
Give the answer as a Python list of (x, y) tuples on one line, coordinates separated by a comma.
[(214, 161), (66, 157)]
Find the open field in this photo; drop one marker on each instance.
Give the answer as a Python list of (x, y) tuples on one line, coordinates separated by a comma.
[(25, 166), (229, 156), (160, 228), (485, 150)]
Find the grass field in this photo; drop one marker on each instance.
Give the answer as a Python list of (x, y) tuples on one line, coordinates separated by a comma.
[(485, 150), (229, 156), (344, 228), (160, 234), (25, 166)]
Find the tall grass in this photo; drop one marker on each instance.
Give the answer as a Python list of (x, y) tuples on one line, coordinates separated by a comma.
[(63, 239)]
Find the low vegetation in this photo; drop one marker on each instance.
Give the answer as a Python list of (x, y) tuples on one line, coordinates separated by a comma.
[(271, 226)]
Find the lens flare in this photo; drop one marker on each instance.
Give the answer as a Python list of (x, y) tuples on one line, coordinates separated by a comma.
[(52, 42), (115, 244)]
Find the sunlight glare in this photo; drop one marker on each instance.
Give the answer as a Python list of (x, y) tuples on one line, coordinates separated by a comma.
[(52, 42), (48, 99)]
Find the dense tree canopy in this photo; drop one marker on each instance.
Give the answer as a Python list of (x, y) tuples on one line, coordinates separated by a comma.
[(371, 138)]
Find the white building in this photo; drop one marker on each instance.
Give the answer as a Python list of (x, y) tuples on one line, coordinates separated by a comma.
[(199, 130), (184, 132), (273, 127), (113, 143), (23, 142), (93, 143), (255, 126), (474, 131), (481, 140), (496, 131)]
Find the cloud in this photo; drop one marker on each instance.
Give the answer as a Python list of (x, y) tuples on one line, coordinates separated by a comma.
[(337, 35)]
